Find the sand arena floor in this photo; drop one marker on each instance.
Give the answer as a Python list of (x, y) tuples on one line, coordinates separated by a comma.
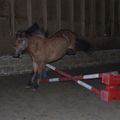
[(54, 101)]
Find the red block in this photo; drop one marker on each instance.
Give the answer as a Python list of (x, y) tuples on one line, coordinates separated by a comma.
[(110, 79), (111, 93)]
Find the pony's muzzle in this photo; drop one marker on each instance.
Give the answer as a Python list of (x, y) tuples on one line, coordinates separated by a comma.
[(16, 56), (17, 53)]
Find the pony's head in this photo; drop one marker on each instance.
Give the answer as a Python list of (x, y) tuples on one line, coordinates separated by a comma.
[(20, 43), (22, 37)]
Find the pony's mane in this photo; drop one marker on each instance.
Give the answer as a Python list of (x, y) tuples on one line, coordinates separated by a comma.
[(33, 29), (36, 30)]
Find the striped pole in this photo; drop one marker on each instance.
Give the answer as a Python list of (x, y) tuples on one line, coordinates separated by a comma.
[(57, 79), (91, 76), (75, 78), (59, 71), (89, 87), (85, 85), (110, 93)]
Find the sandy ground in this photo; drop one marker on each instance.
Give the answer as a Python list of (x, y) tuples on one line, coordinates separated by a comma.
[(54, 101)]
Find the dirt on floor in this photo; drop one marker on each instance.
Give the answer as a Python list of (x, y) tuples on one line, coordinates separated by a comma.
[(52, 101)]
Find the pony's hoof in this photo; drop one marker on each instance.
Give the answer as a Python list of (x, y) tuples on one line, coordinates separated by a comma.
[(34, 87)]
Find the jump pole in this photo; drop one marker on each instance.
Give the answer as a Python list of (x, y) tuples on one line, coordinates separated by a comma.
[(110, 80), (85, 85)]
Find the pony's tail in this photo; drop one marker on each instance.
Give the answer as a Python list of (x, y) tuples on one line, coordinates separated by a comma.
[(84, 45)]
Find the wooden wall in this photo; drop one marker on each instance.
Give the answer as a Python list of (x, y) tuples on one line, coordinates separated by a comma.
[(91, 18)]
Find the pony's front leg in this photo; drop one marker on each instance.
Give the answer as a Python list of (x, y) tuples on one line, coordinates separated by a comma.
[(37, 80), (34, 76), (41, 73), (33, 80), (39, 76)]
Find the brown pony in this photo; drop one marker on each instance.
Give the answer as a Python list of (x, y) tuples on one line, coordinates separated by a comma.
[(44, 50)]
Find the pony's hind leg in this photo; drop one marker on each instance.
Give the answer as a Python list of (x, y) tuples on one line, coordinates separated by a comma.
[(44, 73)]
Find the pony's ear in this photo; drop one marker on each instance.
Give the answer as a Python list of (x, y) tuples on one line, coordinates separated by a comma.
[(36, 26), (32, 29)]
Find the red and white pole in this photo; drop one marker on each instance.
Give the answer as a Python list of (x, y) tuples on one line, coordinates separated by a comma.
[(111, 80), (89, 87)]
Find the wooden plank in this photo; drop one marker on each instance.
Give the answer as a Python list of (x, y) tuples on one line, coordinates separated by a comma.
[(72, 15), (92, 18), (112, 17), (102, 17), (44, 13), (59, 14), (12, 10), (82, 18), (29, 12)]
